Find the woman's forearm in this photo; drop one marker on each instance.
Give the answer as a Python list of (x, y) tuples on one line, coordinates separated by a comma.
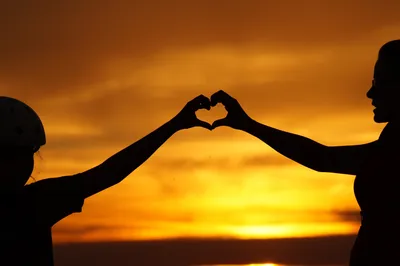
[(300, 149)]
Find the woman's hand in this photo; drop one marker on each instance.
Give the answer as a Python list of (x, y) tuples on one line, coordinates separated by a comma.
[(236, 117)]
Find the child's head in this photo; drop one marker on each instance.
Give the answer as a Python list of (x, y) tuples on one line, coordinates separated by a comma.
[(21, 136)]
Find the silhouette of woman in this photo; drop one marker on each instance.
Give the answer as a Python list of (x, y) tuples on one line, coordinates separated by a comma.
[(375, 164), (29, 211)]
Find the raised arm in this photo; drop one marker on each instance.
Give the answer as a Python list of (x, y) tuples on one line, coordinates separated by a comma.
[(121, 164), (307, 152)]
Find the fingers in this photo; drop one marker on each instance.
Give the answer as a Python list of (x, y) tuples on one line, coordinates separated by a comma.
[(200, 102), (221, 97), (219, 123)]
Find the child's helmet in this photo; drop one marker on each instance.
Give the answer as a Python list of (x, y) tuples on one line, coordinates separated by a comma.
[(20, 125)]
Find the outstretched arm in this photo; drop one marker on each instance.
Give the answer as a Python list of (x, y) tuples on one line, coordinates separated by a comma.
[(120, 165), (307, 152)]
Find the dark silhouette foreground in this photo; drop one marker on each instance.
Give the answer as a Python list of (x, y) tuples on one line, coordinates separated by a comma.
[(28, 212)]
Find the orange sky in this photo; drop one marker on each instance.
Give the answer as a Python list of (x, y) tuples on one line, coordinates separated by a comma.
[(103, 74)]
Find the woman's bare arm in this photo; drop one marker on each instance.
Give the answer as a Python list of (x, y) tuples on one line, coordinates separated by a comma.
[(345, 159), (307, 152)]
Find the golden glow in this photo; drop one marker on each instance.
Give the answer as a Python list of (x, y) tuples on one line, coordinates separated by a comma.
[(264, 264), (253, 264), (106, 89)]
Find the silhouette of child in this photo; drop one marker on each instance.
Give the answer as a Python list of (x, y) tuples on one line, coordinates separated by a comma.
[(28, 212)]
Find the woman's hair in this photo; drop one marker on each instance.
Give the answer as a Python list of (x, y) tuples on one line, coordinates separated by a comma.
[(390, 54)]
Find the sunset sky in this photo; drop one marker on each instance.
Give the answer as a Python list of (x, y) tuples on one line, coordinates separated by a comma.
[(103, 74)]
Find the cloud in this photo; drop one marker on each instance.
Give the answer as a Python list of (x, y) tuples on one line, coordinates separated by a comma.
[(103, 74), (126, 68), (330, 250), (226, 163), (64, 46), (135, 110), (82, 229), (349, 216)]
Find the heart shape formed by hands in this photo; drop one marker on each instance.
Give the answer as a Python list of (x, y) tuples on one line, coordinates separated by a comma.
[(235, 117), (215, 113)]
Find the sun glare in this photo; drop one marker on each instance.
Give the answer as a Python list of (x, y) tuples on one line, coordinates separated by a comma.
[(254, 264), (264, 264)]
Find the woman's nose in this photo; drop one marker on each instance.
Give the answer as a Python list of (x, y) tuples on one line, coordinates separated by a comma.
[(370, 93)]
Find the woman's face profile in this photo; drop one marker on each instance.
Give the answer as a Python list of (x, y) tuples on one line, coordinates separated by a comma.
[(384, 93)]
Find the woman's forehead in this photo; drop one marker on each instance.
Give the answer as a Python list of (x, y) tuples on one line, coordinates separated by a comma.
[(386, 71)]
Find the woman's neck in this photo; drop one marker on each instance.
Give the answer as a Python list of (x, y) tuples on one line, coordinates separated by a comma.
[(391, 133)]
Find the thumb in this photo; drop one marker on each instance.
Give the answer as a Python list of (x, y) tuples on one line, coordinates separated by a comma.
[(220, 122), (200, 123)]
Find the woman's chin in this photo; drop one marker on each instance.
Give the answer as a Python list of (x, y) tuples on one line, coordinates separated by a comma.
[(379, 117)]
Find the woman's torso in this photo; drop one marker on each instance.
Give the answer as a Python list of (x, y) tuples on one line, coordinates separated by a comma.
[(376, 189)]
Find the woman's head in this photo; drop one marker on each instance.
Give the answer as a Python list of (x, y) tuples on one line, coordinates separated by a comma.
[(385, 90), (21, 136)]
